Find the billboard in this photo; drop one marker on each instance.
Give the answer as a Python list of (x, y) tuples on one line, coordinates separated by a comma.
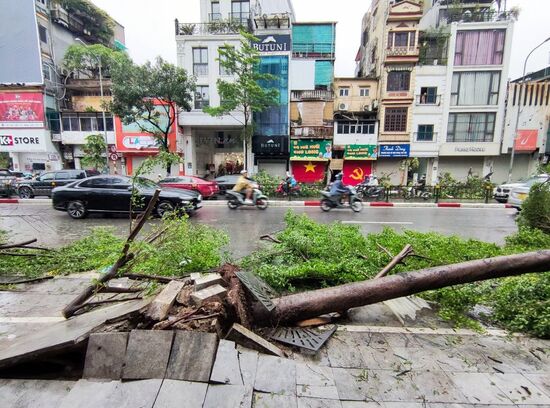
[(21, 110), (19, 45), (526, 141), (310, 149)]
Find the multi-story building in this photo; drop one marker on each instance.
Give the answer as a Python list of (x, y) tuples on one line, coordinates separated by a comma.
[(210, 142), (36, 35)]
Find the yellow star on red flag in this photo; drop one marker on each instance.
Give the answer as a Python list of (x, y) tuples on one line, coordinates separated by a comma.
[(310, 167)]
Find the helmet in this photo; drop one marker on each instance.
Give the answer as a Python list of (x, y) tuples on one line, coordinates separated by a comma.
[(244, 171), (338, 176)]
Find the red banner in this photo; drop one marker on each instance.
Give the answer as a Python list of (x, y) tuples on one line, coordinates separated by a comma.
[(309, 171), (21, 110), (526, 141), (355, 171)]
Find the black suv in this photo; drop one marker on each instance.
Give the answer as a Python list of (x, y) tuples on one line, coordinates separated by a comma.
[(46, 182)]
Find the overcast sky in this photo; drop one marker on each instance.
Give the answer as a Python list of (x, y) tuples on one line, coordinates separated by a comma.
[(150, 28)]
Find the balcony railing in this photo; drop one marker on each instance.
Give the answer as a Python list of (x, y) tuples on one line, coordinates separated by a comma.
[(214, 17), (428, 100), (401, 51), (202, 103), (320, 132), (479, 16), (242, 18), (425, 136), (306, 50), (221, 27), (314, 95)]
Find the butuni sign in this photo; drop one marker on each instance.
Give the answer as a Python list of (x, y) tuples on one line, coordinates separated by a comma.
[(272, 43)]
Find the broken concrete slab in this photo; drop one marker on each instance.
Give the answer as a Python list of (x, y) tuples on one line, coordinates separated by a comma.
[(304, 402), (88, 394), (33, 393), (178, 394), (276, 375), (59, 335), (105, 355), (247, 338), (226, 368), (248, 362), (328, 392), (314, 375), (208, 280), (192, 356), (147, 354), (262, 400), (209, 293), (519, 389), (479, 389), (238, 396), (344, 352), (356, 384), (194, 276), (160, 306)]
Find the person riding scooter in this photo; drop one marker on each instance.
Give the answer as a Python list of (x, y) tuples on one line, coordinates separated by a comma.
[(244, 186), (338, 188)]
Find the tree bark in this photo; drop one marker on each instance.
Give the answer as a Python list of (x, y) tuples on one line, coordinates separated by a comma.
[(311, 304)]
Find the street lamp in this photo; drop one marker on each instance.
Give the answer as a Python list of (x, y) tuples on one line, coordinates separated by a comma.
[(102, 107), (519, 110)]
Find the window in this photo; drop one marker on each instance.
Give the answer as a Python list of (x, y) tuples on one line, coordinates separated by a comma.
[(475, 88), (361, 127), (402, 39), (484, 47), (398, 80), (215, 14), (240, 11), (46, 71), (425, 133), (47, 177), (54, 121), (221, 58), (428, 96), (344, 91), (43, 34), (108, 122), (62, 175), (471, 127), (88, 122), (202, 97), (70, 123), (364, 91), (200, 61), (395, 120)]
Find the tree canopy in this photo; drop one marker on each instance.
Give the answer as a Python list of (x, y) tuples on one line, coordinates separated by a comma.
[(94, 152), (85, 59)]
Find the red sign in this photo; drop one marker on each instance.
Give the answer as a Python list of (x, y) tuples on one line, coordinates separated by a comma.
[(309, 171), (355, 171), (21, 110), (526, 141)]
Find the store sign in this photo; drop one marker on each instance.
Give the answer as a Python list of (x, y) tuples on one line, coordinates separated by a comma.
[(397, 150), (469, 149), (526, 141), (310, 149), (360, 152), (22, 140), (272, 43), (270, 145), (139, 142), (21, 110)]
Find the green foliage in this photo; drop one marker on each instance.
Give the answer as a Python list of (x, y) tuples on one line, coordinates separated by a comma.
[(96, 21), (535, 210), (4, 160), (95, 152), (151, 96), (270, 184), (527, 239), (85, 59)]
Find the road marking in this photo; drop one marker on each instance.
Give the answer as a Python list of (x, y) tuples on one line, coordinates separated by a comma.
[(379, 222)]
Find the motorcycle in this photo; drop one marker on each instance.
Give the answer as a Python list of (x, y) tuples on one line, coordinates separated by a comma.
[(236, 199), (329, 202), (283, 190), (366, 191), (415, 192)]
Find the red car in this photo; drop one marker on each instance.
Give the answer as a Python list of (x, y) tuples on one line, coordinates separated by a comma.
[(206, 188)]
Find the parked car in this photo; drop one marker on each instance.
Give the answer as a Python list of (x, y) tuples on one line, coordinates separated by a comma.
[(519, 194), (113, 194), (502, 192), (8, 182), (228, 182), (46, 182), (206, 188)]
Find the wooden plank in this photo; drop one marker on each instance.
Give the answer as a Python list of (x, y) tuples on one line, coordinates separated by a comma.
[(192, 356), (105, 355), (180, 394), (247, 338), (60, 335), (147, 354), (226, 368), (159, 308)]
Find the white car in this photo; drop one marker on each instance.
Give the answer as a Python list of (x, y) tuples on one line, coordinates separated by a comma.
[(502, 192), (519, 194)]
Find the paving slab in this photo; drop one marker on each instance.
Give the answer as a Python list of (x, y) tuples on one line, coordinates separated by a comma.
[(402, 340), (134, 394), (479, 389), (147, 354), (519, 389), (105, 355), (262, 400), (312, 374), (33, 393), (317, 391), (356, 384), (180, 394), (542, 381), (208, 280), (377, 314), (226, 369), (248, 363), (208, 294), (33, 304), (343, 352), (89, 394), (237, 396), (304, 402), (160, 306), (511, 355), (192, 356), (276, 375), (418, 359)]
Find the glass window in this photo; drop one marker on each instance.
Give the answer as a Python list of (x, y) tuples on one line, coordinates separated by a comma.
[(425, 133), (46, 72), (479, 47), (221, 58), (54, 121), (200, 61), (215, 14), (108, 122), (240, 11), (428, 95), (344, 91), (202, 97), (395, 120), (398, 80), (475, 88), (88, 123), (47, 177), (364, 91), (43, 33), (471, 127), (63, 175)]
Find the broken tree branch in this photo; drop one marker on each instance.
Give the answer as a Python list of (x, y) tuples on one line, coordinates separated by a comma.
[(112, 289), (268, 237), (25, 254), (27, 280), (384, 249), (20, 244), (103, 302), (161, 279), (406, 251)]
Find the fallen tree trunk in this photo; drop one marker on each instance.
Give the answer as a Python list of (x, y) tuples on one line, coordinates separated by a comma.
[(305, 305)]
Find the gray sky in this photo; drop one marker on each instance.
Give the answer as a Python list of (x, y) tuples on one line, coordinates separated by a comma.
[(150, 28)]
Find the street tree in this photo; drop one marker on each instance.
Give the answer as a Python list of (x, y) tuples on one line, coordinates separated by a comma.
[(151, 96), (94, 152), (249, 90), (85, 59)]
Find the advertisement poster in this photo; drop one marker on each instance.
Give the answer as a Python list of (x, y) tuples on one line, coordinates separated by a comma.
[(361, 152), (310, 149), (21, 110)]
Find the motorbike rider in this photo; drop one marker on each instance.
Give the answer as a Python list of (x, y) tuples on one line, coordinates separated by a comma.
[(289, 183), (338, 188), (420, 185), (244, 186)]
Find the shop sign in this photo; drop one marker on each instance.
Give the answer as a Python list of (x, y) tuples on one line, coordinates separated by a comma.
[(21, 110), (23, 140), (272, 43), (270, 145), (360, 152), (139, 142), (526, 141), (310, 149), (396, 150)]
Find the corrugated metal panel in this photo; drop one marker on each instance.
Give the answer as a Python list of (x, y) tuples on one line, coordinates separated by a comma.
[(324, 72)]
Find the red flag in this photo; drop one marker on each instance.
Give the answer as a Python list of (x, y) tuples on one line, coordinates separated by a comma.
[(309, 171), (355, 171)]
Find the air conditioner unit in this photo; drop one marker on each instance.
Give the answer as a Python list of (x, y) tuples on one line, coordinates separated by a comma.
[(343, 107), (367, 108)]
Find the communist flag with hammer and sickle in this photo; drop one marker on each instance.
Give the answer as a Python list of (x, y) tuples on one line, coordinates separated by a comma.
[(355, 171)]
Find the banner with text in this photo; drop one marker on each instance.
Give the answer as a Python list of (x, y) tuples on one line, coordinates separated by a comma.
[(361, 152), (21, 110), (396, 150), (311, 149)]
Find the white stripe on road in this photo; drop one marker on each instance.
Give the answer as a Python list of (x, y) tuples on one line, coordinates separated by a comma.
[(379, 222)]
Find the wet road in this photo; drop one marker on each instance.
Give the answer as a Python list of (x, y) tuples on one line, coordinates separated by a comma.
[(245, 225)]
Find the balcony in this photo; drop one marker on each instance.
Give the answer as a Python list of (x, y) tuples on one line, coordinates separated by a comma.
[(428, 100), (315, 95), (402, 52), (312, 132), (448, 16), (221, 27), (87, 84), (313, 50), (212, 17)]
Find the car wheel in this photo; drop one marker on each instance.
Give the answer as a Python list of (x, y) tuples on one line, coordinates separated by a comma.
[(261, 204), (357, 205), (77, 210), (25, 192), (325, 205), (164, 207)]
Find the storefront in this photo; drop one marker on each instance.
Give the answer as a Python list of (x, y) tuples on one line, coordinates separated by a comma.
[(271, 154), (358, 160), (390, 157), (309, 159)]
